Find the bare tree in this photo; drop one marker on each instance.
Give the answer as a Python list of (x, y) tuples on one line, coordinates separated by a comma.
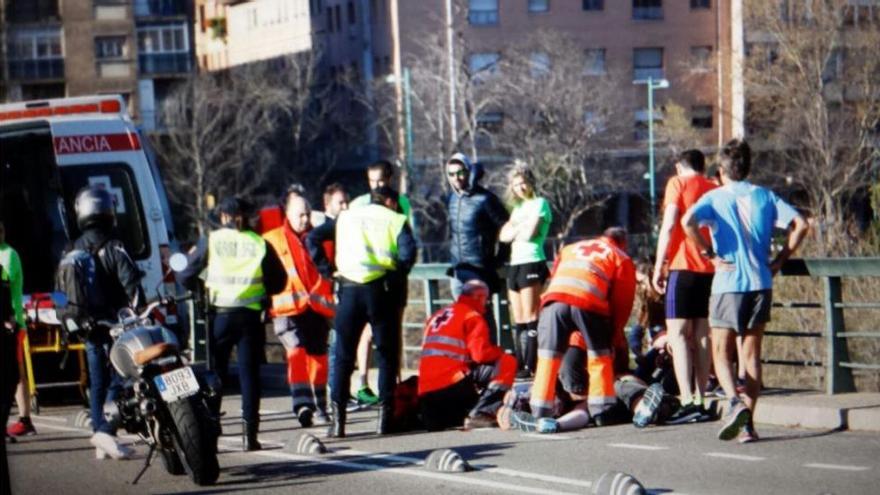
[(676, 133), (561, 116), (225, 132), (813, 89)]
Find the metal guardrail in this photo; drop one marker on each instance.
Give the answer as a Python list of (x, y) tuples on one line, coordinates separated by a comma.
[(838, 366)]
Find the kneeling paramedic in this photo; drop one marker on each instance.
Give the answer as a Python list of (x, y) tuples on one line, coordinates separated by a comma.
[(591, 290), (242, 269), (299, 314), (462, 376)]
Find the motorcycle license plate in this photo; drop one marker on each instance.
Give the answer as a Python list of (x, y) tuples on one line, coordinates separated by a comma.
[(177, 384)]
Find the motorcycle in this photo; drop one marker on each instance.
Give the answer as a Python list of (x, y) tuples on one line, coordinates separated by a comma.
[(163, 400)]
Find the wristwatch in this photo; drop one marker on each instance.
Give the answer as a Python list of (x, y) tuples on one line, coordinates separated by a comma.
[(707, 253)]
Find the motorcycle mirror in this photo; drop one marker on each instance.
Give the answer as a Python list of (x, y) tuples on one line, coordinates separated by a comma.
[(59, 299), (178, 262)]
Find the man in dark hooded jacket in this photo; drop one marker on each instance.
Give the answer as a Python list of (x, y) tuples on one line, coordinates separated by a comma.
[(475, 218)]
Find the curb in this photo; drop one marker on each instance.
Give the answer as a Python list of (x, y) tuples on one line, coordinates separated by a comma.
[(856, 412)]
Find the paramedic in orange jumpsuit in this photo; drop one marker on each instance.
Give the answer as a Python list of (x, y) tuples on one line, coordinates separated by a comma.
[(591, 290), (299, 314), (462, 376)]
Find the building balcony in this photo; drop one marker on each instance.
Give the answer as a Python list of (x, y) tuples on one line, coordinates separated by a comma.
[(31, 11), (159, 8), (34, 70), (154, 64)]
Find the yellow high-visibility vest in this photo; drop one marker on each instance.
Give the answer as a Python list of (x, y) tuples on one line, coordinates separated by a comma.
[(235, 271), (366, 242)]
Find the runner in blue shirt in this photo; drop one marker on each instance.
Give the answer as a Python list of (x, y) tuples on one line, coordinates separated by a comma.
[(741, 217)]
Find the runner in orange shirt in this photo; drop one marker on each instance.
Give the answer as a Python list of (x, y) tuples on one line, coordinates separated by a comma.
[(687, 287)]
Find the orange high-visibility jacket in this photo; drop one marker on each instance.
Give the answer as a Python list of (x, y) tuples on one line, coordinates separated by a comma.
[(305, 288), (596, 276), (455, 337)]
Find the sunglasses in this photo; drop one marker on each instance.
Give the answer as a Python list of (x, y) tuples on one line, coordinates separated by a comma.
[(457, 173)]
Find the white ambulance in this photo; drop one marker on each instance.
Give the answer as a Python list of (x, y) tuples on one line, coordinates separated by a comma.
[(51, 149)]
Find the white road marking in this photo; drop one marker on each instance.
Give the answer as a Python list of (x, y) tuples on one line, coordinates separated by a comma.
[(361, 466), (488, 469), (54, 419), (738, 457), (636, 446), (839, 467), (544, 436)]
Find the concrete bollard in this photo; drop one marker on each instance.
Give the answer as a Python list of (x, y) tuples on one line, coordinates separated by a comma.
[(305, 443), (446, 460), (617, 483), (83, 419)]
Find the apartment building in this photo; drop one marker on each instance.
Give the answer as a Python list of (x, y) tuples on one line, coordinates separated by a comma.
[(689, 43), (230, 32), (136, 48)]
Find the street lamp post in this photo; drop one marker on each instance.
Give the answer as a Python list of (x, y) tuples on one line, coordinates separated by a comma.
[(652, 85)]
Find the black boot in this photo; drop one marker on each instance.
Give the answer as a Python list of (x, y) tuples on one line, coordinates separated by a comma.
[(337, 420), (250, 440), (385, 423)]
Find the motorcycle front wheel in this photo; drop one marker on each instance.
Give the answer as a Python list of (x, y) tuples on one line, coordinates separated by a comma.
[(195, 444)]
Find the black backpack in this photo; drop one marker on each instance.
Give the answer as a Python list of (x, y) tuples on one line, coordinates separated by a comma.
[(81, 277)]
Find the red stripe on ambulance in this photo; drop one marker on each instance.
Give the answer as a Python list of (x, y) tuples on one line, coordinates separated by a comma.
[(96, 143)]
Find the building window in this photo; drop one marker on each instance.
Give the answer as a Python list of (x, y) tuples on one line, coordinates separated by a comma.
[(701, 58), (483, 65), (647, 9), (593, 5), (647, 63), (539, 64), (594, 62), (329, 19), (352, 18), (163, 48), (35, 54), (110, 47), (483, 12), (701, 116), (539, 5), (338, 12), (701, 4)]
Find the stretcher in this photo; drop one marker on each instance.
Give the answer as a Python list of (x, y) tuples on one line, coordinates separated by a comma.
[(44, 335)]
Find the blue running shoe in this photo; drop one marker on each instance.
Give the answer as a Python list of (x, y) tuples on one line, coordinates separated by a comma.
[(646, 411)]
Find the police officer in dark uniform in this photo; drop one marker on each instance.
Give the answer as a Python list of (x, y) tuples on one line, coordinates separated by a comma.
[(242, 271)]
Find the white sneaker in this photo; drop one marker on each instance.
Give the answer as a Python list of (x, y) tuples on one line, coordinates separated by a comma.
[(106, 445)]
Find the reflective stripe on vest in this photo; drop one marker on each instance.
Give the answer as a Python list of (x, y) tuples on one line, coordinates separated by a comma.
[(559, 282), (235, 272), (366, 242), (444, 353), (583, 265), (442, 339)]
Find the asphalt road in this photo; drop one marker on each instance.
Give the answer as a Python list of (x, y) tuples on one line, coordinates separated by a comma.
[(670, 459)]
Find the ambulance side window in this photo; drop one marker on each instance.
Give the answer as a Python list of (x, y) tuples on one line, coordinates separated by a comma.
[(119, 180)]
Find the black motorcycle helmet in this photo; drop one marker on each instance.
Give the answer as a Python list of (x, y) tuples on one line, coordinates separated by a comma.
[(94, 208)]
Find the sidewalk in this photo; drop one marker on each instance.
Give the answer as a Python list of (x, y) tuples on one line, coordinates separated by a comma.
[(811, 409), (779, 407)]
